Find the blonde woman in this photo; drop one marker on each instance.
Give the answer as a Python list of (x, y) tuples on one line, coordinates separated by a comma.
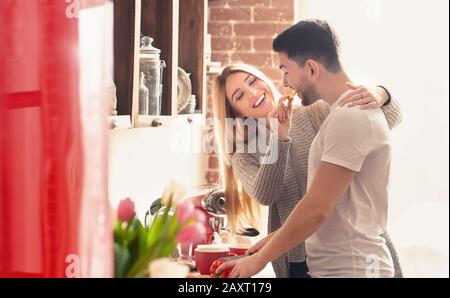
[(242, 92)]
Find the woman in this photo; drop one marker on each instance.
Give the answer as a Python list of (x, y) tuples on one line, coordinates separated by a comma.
[(243, 92)]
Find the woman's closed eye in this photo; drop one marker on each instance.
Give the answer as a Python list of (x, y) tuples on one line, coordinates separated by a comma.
[(251, 81)]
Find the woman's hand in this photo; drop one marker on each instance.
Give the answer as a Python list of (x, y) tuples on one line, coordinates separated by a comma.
[(255, 248), (364, 96), (280, 118), (244, 267)]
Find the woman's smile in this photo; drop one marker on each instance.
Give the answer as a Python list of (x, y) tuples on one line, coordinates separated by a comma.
[(260, 101)]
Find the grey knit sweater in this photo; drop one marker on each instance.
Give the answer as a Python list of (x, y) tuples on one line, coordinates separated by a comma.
[(275, 184)]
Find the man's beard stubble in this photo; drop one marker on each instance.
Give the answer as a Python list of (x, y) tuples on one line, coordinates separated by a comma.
[(309, 95)]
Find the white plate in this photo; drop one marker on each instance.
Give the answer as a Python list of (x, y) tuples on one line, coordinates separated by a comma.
[(184, 89)]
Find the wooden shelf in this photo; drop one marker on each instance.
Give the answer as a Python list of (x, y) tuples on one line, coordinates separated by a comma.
[(192, 39), (124, 35), (164, 121), (181, 38)]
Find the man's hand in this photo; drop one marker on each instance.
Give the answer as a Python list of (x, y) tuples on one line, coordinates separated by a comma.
[(255, 248), (244, 267), (280, 118), (365, 96)]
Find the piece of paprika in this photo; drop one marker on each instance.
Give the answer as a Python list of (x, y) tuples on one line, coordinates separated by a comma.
[(216, 264)]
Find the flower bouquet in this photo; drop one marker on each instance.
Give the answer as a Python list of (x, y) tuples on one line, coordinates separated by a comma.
[(136, 246)]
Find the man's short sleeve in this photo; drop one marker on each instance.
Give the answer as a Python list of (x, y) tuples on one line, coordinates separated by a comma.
[(348, 138)]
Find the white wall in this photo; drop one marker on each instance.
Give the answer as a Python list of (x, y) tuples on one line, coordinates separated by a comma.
[(142, 161), (403, 44)]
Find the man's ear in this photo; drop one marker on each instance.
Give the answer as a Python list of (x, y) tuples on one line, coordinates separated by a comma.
[(313, 69)]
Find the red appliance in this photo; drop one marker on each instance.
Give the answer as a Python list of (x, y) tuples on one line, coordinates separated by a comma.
[(210, 199), (197, 201)]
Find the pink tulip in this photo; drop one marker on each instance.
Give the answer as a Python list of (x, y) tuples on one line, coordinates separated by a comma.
[(193, 233), (185, 211), (126, 210), (199, 217)]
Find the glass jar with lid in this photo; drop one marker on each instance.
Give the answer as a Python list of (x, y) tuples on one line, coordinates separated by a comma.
[(152, 67)]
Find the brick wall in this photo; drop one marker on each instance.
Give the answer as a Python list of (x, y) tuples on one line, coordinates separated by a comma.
[(243, 30)]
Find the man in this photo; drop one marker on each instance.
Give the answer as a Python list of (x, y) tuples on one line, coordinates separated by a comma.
[(344, 210)]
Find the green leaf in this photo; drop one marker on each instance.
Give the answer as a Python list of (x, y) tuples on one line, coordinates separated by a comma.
[(142, 240), (157, 227), (152, 235), (121, 260), (135, 245), (173, 228), (141, 264), (118, 237), (168, 250), (132, 231)]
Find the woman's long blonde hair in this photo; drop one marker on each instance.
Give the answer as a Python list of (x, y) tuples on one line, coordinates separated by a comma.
[(242, 210)]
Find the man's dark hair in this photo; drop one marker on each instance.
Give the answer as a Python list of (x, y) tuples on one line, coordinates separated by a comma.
[(310, 39)]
